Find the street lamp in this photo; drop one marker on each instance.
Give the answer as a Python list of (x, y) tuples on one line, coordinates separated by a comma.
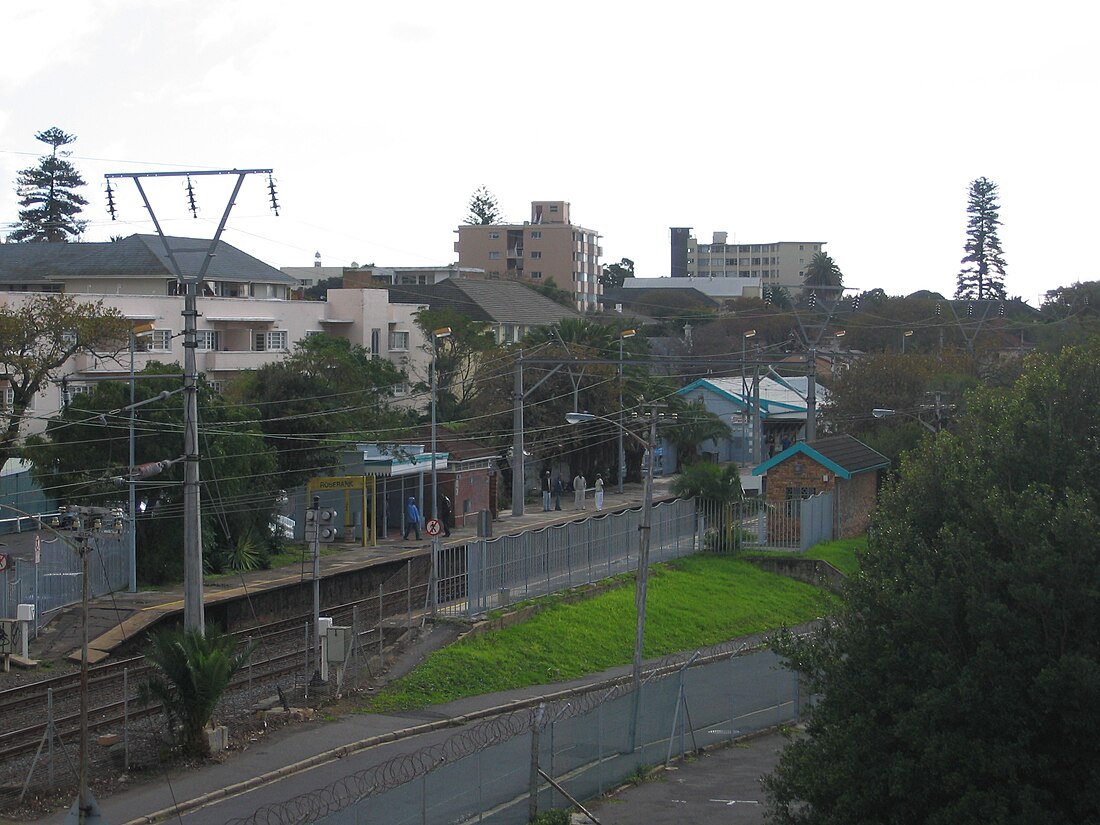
[(904, 336), (879, 412), (745, 385), (643, 551), (138, 330), (442, 332), (626, 333)]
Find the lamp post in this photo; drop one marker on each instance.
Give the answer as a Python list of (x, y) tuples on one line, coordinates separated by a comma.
[(442, 332), (744, 384), (131, 538), (626, 333), (643, 553), (904, 337)]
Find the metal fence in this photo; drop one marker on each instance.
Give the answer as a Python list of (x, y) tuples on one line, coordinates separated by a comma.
[(759, 523), (54, 582), (488, 773), (492, 573)]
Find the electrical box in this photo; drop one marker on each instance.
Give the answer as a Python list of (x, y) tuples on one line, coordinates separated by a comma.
[(339, 644), (25, 613)]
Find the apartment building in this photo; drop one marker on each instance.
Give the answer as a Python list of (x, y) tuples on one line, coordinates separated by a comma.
[(247, 317), (549, 246), (782, 263)]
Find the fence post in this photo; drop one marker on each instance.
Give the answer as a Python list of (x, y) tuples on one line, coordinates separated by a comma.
[(126, 719), (381, 631), (49, 732), (408, 594), (249, 640), (307, 661), (533, 782)]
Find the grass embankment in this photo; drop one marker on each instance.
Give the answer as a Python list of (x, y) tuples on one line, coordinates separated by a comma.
[(691, 603), (841, 553)]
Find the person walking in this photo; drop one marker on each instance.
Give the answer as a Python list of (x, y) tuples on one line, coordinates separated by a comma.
[(599, 491), (558, 488), (412, 518), (445, 515), (546, 491), (578, 491)]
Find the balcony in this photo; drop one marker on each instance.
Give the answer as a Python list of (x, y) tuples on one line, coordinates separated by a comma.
[(236, 360), (515, 252)]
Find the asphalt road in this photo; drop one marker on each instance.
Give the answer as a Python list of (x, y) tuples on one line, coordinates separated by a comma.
[(721, 787)]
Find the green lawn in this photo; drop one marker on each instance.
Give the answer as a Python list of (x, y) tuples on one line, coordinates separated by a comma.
[(693, 602), (841, 553)]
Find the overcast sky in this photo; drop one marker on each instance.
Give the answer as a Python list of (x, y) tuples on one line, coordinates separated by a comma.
[(859, 124)]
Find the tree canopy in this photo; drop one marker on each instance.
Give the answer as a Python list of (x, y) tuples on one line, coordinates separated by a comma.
[(983, 277), (86, 447), (483, 208), (823, 271), (960, 681), (46, 193), (37, 336), (616, 274), (325, 394)]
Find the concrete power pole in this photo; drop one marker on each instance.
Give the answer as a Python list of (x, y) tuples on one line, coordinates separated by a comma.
[(193, 614)]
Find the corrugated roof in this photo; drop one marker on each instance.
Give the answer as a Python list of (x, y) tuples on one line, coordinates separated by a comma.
[(849, 452), (138, 256), (845, 455)]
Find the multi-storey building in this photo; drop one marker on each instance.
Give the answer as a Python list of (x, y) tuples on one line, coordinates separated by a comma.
[(782, 263), (548, 247)]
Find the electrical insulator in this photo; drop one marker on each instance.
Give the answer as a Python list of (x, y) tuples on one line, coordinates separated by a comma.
[(192, 207), (767, 295), (855, 304), (813, 299)]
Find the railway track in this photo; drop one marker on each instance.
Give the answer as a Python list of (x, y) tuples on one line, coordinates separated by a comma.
[(113, 687)]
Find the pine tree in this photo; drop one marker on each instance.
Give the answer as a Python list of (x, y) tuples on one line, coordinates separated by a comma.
[(483, 207), (983, 276), (46, 193)]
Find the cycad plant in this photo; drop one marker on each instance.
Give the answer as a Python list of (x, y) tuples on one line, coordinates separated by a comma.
[(190, 671)]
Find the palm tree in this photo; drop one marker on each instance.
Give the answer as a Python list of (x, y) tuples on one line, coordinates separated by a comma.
[(716, 488), (190, 672), (694, 424), (823, 271)]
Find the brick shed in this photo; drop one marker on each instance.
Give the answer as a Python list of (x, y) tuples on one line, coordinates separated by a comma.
[(840, 463)]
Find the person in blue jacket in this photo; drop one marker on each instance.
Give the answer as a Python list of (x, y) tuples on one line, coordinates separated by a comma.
[(412, 518)]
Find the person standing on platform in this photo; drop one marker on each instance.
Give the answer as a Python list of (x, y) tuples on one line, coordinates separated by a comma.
[(445, 515), (558, 488), (578, 491), (599, 491), (412, 518), (546, 491)]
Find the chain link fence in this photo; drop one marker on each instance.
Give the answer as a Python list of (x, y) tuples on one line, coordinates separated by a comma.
[(499, 771)]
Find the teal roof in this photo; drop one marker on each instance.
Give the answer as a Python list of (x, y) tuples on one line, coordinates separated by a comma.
[(768, 406)]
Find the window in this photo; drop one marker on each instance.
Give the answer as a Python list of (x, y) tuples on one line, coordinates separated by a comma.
[(160, 340), (400, 389), (375, 342), (7, 399), (494, 256), (494, 236), (553, 207), (208, 339), (216, 386), (801, 248), (536, 254), (536, 274), (269, 341), (399, 340), (536, 234)]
